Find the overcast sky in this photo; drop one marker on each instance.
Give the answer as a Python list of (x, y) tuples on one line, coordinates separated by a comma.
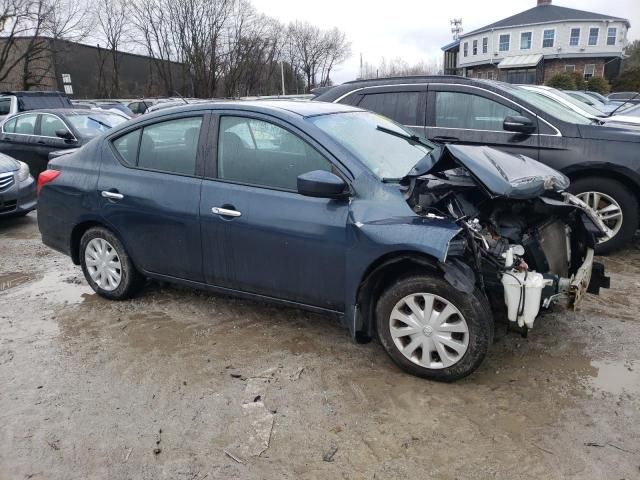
[(416, 29)]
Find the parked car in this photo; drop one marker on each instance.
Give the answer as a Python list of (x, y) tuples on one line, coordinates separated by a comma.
[(606, 108), (16, 101), (602, 162), (602, 98), (32, 136), (140, 106), (329, 208), (17, 188), (566, 100), (631, 97)]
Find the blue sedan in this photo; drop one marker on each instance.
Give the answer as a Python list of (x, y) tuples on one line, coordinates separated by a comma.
[(329, 208)]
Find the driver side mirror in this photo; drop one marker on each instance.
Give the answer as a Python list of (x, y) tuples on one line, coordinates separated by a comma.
[(65, 134), (321, 184), (518, 123)]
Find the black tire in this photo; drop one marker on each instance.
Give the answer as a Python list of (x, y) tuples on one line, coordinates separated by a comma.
[(130, 281), (628, 204), (474, 308)]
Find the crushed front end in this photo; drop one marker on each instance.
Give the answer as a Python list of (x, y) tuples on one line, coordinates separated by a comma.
[(529, 243)]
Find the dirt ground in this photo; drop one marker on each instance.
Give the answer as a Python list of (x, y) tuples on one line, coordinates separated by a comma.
[(180, 384)]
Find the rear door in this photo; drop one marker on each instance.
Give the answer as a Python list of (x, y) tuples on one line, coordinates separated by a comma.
[(269, 239), (149, 189), (469, 115)]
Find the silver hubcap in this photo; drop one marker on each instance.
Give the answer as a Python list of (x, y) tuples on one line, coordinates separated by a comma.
[(429, 330), (607, 209), (103, 264)]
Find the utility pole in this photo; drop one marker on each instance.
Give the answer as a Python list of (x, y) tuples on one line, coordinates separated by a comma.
[(282, 76)]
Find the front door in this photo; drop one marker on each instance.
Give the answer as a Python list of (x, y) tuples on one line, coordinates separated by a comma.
[(258, 234), (474, 116)]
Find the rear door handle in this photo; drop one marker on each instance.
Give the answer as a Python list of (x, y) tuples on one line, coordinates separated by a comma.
[(225, 212), (112, 195)]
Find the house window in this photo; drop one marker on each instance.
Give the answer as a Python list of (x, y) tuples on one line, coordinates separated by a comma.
[(574, 39), (525, 40), (504, 42), (485, 44), (489, 75), (593, 36), (475, 47), (589, 70), (612, 34), (570, 68), (465, 49), (548, 36), (479, 75)]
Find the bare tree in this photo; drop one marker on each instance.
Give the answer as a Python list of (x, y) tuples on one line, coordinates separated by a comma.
[(112, 20)]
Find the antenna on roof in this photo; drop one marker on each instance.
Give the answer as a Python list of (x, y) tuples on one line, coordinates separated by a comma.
[(456, 28)]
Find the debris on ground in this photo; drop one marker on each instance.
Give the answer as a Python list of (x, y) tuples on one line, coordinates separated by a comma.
[(328, 457)]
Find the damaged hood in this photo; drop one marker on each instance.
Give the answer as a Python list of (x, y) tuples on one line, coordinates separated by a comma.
[(501, 174)]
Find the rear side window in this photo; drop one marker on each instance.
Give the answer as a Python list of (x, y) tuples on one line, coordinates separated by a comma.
[(9, 126), (464, 110), (399, 106), (26, 124), (127, 146), (5, 106), (169, 146)]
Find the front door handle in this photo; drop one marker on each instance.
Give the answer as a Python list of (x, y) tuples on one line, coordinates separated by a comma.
[(225, 212), (112, 195)]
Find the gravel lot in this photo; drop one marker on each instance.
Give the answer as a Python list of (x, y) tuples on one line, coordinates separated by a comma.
[(180, 384)]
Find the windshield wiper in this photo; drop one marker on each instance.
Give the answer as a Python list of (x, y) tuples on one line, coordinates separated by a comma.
[(413, 138), (99, 122)]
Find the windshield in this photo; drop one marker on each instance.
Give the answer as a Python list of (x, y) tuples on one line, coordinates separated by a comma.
[(94, 123), (547, 105), (577, 103), (387, 148)]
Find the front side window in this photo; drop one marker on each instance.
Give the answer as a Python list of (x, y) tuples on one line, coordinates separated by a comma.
[(49, 124), (612, 34), (475, 47), (399, 106), (256, 152), (465, 49), (574, 39), (589, 70), (593, 36), (525, 40), (504, 42), (389, 150), (465, 110), (170, 146), (485, 44), (26, 124), (548, 37)]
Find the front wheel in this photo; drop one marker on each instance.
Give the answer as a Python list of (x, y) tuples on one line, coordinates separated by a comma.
[(432, 330), (614, 204), (106, 265)]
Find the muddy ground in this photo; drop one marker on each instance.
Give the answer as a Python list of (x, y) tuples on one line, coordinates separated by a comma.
[(180, 384)]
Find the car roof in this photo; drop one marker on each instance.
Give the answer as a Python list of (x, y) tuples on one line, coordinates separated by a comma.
[(300, 108), (65, 111)]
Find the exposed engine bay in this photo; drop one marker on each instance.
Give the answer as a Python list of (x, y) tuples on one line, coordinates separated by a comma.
[(524, 241)]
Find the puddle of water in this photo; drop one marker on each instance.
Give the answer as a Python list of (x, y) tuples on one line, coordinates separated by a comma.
[(53, 287), (13, 279), (616, 377)]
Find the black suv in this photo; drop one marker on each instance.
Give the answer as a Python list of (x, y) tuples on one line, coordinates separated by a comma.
[(602, 162)]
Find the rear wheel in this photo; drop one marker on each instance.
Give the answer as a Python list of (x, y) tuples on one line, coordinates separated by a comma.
[(106, 265), (432, 330), (614, 204)]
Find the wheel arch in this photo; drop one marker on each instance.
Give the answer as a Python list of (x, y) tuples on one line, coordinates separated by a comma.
[(381, 273)]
